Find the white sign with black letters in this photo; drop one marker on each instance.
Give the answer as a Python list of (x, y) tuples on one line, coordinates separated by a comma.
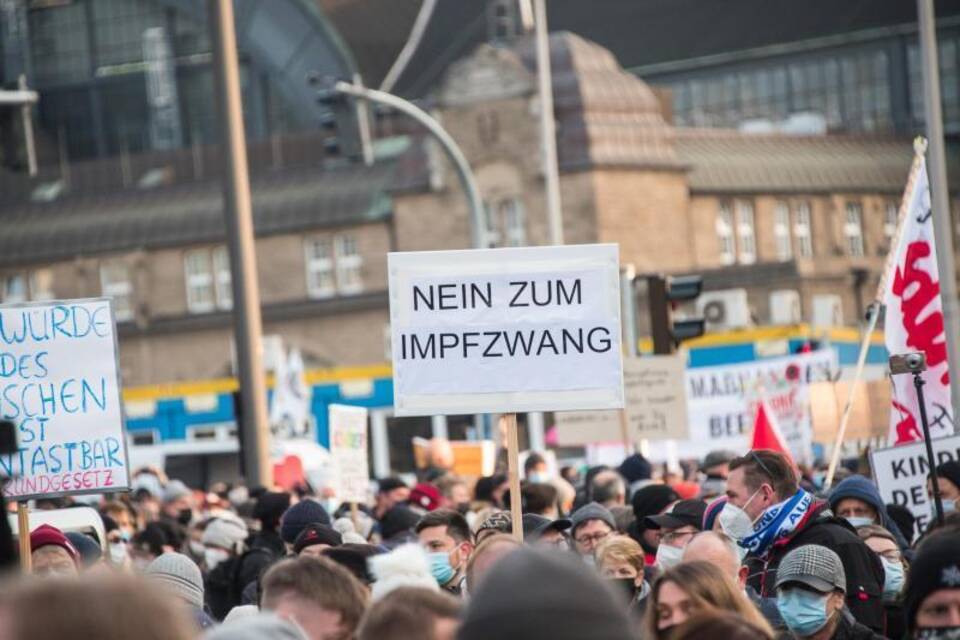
[(506, 330), (901, 474)]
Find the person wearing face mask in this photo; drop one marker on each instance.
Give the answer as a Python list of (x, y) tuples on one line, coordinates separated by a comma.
[(52, 553), (811, 586), (535, 469), (620, 560), (857, 500), (177, 506), (677, 526), (649, 501), (948, 475), (883, 543), (769, 515), (448, 541), (223, 543), (932, 594)]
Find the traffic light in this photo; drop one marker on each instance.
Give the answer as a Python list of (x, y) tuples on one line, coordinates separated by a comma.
[(663, 293), (337, 117)]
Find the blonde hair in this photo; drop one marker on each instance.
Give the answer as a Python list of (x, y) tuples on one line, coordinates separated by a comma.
[(620, 549), (709, 590)]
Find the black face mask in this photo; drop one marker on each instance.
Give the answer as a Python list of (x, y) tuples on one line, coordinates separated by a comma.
[(626, 586), (938, 633), (463, 508), (184, 516)]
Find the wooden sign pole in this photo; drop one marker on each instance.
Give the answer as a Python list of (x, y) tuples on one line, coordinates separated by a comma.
[(513, 475), (354, 516), (23, 532)]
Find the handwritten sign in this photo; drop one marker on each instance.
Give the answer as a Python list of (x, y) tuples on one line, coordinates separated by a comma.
[(506, 330), (348, 451), (656, 406), (901, 474), (59, 384)]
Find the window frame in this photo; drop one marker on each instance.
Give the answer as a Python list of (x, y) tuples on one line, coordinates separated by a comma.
[(746, 232), (853, 230), (783, 239), (324, 265), (803, 229), (199, 280), (726, 234), (348, 266), (120, 290)]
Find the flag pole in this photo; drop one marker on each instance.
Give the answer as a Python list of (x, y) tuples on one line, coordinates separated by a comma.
[(919, 148)]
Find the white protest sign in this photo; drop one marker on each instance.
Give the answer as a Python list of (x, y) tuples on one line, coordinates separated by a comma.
[(59, 384), (720, 402), (656, 406), (348, 450), (901, 474), (506, 330)]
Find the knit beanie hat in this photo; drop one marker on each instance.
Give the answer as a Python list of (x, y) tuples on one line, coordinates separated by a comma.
[(317, 534), (635, 467), (226, 533), (935, 566), (651, 500), (46, 535), (542, 594), (179, 575), (950, 470), (175, 489), (592, 511), (260, 626), (296, 518)]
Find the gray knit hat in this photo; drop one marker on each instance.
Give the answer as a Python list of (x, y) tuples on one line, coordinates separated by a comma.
[(179, 575), (225, 533), (815, 566), (260, 626), (592, 511)]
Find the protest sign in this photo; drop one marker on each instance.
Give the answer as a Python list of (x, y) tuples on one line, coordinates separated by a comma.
[(506, 330), (901, 474), (868, 414), (61, 387), (720, 402), (655, 402), (348, 450)]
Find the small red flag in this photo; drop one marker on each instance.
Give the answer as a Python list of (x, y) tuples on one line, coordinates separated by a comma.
[(766, 433)]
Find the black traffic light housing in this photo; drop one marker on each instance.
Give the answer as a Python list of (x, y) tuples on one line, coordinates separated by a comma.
[(663, 292), (337, 117)]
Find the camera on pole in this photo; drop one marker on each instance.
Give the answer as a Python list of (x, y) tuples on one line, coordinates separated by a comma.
[(663, 295)]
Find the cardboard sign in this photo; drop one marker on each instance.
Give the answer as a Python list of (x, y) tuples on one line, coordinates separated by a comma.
[(901, 474), (348, 451), (506, 330), (720, 403), (60, 385), (656, 406)]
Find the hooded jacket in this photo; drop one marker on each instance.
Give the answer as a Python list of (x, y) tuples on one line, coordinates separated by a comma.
[(862, 566), (864, 489)]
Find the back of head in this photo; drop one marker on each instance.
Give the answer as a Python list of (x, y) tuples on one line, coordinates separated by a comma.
[(321, 582), (541, 594), (486, 555), (409, 613), (651, 500), (762, 466), (715, 548), (720, 624), (178, 575), (609, 488), (108, 608)]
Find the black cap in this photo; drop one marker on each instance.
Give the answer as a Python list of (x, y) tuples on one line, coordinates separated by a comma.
[(535, 525), (682, 514)]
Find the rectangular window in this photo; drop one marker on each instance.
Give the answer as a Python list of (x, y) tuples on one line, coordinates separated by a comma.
[(853, 230), (320, 278), (728, 246), (746, 235), (14, 288), (802, 230), (199, 277), (41, 284), (890, 218), (514, 223), (781, 231), (115, 283), (349, 264), (221, 269)]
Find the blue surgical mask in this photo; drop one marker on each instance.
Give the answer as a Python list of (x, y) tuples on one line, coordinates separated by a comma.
[(804, 612), (949, 506), (440, 567), (538, 477), (892, 580), (859, 521)]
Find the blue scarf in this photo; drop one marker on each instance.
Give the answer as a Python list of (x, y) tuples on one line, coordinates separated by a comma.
[(777, 522)]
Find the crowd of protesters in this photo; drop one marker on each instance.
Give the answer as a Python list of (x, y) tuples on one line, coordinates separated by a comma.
[(740, 547)]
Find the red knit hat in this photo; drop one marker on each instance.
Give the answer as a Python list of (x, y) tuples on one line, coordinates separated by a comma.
[(426, 496), (46, 535)]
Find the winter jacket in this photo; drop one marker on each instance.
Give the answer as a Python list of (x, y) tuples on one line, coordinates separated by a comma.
[(864, 489), (862, 566)]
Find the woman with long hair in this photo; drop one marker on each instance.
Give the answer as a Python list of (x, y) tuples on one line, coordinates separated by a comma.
[(691, 588)]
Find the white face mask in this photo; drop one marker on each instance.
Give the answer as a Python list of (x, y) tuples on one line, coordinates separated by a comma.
[(118, 553), (213, 557), (734, 521), (668, 557), (859, 521), (197, 548)]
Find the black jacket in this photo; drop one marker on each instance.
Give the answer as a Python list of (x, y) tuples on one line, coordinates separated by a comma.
[(848, 629), (862, 566)]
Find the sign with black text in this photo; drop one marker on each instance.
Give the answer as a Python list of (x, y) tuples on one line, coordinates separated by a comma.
[(901, 474), (506, 330), (61, 388)]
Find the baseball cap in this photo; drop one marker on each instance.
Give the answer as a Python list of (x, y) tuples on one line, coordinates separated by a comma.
[(682, 514), (535, 525), (815, 566), (426, 496)]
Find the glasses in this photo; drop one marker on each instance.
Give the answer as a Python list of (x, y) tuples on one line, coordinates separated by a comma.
[(675, 537), (597, 537)]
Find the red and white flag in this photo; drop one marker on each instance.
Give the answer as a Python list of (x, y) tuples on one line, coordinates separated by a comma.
[(766, 433), (914, 321)]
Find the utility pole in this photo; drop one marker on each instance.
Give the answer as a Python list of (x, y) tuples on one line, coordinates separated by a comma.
[(937, 172), (254, 426), (548, 133)]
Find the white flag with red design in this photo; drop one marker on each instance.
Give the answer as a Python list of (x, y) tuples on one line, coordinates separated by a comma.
[(914, 322)]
